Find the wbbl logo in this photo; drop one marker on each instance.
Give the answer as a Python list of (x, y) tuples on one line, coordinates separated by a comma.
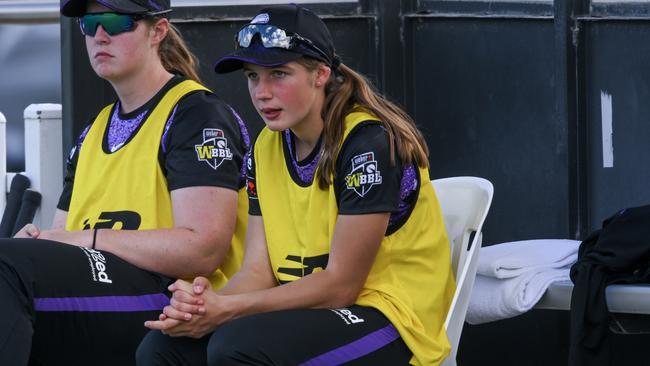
[(364, 174), (214, 149)]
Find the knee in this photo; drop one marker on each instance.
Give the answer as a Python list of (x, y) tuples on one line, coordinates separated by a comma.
[(227, 348), (151, 351), (222, 353)]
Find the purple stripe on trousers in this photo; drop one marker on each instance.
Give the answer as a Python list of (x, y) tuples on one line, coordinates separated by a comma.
[(102, 303), (356, 349)]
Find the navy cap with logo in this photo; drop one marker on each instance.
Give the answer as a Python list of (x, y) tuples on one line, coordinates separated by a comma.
[(278, 35), (77, 8)]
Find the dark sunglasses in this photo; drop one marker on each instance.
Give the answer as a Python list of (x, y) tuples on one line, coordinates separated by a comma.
[(113, 23), (272, 36)]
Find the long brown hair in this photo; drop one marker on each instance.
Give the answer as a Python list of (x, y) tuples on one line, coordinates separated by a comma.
[(347, 89), (176, 57)]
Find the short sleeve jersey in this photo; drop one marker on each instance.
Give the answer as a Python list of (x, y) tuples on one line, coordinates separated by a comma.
[(385, 195), (181, 157)]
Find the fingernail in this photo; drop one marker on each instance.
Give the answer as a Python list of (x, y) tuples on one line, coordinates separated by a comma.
[(202, 310), (188, 316)]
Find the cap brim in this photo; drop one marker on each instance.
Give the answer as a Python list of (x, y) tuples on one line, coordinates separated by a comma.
[(261, 56), (77, 8)]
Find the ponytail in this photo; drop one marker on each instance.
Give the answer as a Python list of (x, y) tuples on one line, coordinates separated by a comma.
[(347, 90), (176, 57)]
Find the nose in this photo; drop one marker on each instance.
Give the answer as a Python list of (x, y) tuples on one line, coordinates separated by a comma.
[(100, 34), (262, 89)]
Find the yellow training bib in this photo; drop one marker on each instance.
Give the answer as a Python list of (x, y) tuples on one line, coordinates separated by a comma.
[(410, 282)]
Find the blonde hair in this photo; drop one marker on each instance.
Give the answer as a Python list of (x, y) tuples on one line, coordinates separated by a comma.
[(347, 89), (175, 55)]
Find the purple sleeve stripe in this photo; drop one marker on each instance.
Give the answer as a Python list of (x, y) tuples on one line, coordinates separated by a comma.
[(163, 140), (102, 303), (356, 349)]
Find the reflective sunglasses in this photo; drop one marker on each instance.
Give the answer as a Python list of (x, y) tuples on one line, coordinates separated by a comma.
[(113, 23), (272, 36)]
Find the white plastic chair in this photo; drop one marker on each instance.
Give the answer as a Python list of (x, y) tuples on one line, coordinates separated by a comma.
[(465, 202)]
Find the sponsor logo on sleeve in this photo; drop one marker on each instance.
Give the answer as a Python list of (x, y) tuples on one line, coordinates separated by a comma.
[(364, 174), (251, 187), (214, 149)]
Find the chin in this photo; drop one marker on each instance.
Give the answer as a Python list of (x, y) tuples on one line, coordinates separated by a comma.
[(103, 73), (275, 125), (275, 128)]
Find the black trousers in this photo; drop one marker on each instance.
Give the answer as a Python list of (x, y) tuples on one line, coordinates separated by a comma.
[(352, 336), (66, 305)]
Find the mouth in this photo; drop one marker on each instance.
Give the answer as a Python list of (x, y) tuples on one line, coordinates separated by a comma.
[(103, 55), (271, 113)]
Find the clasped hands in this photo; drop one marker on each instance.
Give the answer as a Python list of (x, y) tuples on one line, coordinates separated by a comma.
[(194, 310)]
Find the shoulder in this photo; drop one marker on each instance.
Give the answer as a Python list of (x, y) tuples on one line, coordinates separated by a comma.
[(200, 108), (195, 101), (367, 143), (366, 129), (202, 100), (364, 136)]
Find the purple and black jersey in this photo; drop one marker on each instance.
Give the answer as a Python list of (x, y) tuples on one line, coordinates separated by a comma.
[(197, 118), (388, 188)]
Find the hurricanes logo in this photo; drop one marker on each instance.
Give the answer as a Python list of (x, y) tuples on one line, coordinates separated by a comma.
[(214, 149), (364, 174)]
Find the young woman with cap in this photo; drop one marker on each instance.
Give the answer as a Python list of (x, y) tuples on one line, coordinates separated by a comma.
[(347, 259), (164, 163)]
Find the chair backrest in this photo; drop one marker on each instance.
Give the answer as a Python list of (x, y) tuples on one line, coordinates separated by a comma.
[(465, 202)]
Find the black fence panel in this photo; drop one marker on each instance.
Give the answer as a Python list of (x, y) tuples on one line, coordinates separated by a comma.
[(618, 74), (483, 93)]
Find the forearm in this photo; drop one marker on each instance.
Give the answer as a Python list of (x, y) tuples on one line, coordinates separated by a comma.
[(317, 290), (246, 282), (204, 223), (175, 252)]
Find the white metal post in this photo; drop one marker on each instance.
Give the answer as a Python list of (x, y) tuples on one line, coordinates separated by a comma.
[(3, 164), (44, 157)]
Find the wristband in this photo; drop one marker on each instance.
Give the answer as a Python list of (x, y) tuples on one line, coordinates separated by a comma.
[(94, 238)]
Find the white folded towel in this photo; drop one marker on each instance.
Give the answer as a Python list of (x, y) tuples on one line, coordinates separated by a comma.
[(494, 299), (512, 277), (511, 259)]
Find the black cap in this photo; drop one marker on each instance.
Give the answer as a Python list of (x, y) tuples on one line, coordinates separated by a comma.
[(77, 8), (293, 19)]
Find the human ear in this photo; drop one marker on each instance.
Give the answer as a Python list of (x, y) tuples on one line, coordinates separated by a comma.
[(322, 75), (159, 30)]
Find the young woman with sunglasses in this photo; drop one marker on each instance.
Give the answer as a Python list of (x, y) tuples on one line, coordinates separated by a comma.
[(164, 163), (347, 259)]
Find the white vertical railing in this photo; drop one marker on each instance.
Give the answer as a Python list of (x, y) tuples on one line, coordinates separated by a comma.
[(44, 157), (3, 163)]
